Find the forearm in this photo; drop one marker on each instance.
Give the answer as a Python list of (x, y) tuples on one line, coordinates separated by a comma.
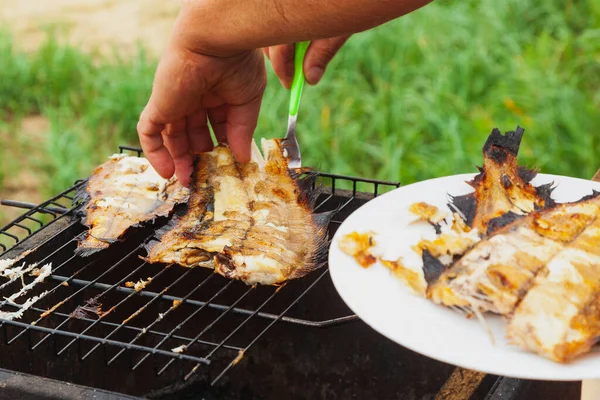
[(225, 27)]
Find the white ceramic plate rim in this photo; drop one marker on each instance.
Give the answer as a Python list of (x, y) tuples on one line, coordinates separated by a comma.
[(384, 304)]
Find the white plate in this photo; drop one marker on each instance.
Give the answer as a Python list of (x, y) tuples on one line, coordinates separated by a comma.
[(384, 303)]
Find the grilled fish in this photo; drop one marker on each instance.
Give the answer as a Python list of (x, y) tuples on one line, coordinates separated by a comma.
[(252, 222), (497, 272), (513, 251), (122, 193), (520, 227), (539, 268), (559, 316), (502, 194)]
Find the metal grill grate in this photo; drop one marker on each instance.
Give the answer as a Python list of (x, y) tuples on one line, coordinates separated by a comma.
[(183, 320)]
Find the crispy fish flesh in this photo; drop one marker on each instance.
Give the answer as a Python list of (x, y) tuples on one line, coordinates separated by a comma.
[(359, 246), (252, 222), (449, 243), (497, 272), (362, 247), (559, 317), (122, 193)]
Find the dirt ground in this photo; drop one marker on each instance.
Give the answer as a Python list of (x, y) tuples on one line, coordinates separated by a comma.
[(93, 25)]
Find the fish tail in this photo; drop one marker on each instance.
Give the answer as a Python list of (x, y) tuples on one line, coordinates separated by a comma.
[(510, 143)]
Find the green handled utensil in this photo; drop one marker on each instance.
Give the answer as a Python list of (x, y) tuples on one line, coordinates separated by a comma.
[(290, 142)]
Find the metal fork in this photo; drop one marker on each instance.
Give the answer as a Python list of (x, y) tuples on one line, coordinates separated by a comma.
[(291, 147)]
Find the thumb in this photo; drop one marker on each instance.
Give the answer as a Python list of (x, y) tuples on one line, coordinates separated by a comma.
[(319, 54)]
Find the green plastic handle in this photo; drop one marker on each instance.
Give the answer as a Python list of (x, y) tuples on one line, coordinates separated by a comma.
[(298, 81)]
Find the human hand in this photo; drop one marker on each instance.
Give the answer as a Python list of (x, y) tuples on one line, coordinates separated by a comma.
[(318, 56), (210, 72), (192, 89)]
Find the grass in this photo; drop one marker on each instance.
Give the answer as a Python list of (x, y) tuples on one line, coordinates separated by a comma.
[(408, 101)]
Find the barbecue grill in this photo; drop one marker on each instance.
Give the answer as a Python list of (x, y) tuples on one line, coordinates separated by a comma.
[(190, 333)]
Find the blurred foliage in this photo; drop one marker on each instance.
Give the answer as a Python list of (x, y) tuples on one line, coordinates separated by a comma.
[(411, 100)]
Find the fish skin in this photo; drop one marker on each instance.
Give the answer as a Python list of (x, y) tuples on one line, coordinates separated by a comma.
[(122, 193), (432, 268), (261, 228), (171, 244)]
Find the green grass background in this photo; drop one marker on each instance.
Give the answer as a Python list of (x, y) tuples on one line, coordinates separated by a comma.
[(411, 100)]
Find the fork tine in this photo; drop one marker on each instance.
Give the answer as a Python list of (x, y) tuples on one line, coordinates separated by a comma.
[(291, 148)]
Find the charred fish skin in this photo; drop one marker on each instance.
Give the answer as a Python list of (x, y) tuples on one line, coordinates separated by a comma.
[(215, 216), (123, 193), (559, 317), (502, 190), (172, 243), (495, 274), (433, 268), (258, 224)]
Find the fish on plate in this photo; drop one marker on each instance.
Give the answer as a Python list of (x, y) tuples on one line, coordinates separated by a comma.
[(513, 251)]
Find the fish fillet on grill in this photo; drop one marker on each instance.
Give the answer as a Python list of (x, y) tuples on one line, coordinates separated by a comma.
[(252, 222), (123, 192)]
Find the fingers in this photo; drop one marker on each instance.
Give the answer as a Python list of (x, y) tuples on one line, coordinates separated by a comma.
[(175, 137), (282, 60), (241, 123), (162, 125), (318, 56), (151, 140), (198, 133), (243, 93), (218, 121), (188, 92)]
